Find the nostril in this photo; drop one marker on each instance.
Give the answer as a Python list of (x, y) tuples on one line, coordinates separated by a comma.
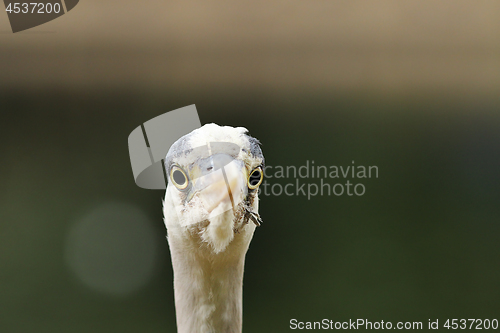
[(210, 168)]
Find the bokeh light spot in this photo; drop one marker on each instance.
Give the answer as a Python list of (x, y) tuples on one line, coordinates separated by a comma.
[(112, 249)]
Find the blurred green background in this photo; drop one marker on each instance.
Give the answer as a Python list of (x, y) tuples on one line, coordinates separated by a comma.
[(412, 87)]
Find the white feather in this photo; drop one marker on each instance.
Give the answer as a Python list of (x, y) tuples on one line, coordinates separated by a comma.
[(207, 254)]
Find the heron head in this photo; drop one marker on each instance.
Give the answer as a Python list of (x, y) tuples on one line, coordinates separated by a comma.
[(213, 177)]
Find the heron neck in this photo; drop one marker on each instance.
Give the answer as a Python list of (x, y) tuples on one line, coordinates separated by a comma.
[(208, 286)]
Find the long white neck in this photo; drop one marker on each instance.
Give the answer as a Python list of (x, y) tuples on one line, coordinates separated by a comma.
[(208, 286)]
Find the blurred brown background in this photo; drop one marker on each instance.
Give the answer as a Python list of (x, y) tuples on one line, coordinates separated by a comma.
[(410, 86), (386, 47)]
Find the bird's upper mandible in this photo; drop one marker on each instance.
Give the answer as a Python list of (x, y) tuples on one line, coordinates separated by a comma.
[(213, 177)]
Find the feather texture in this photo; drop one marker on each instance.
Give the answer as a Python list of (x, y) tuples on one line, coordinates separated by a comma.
[(208, 241)]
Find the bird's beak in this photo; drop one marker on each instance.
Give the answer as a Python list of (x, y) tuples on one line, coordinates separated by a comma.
[(220, 182)]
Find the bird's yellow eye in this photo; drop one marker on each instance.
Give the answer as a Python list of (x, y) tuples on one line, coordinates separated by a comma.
[(255, 178), (179, 178)]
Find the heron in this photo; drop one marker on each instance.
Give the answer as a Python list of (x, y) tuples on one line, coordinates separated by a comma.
[(211, 212)]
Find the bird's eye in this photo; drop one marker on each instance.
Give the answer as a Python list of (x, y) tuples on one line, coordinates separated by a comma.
[(179, 178), (255, 178)]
